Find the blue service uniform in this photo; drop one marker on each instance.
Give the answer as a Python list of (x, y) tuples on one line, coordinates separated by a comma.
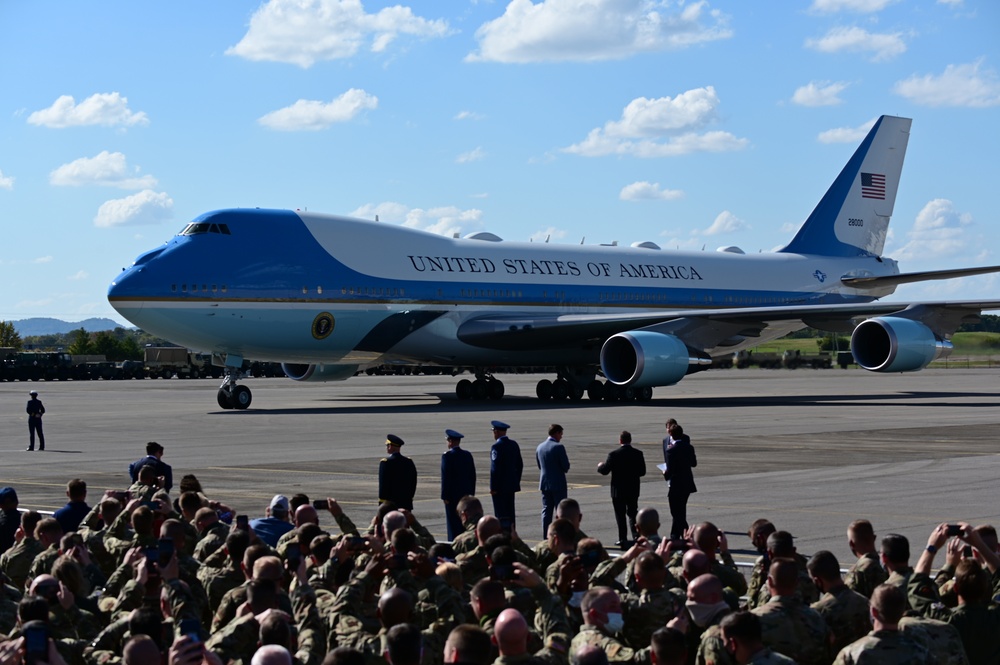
[(397, 480), (35, 411), (554, 463), (506, 466), (458, 479)]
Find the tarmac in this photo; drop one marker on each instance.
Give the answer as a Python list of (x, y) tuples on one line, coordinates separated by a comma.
[(811, 450)]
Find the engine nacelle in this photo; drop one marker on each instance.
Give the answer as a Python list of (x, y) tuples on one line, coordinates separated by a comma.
[(894, 344), (300, 372), (641, 358)]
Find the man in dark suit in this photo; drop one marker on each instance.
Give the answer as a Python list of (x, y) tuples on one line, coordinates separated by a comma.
[(154, 458), (506, 467), (553, 462), (458, 479), (679, 458), (397, 475), (626, 465)]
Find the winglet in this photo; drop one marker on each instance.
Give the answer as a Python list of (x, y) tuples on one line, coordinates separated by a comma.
[(852, 218)]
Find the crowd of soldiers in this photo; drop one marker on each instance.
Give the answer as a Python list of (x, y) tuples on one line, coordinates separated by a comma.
[(146, 577)]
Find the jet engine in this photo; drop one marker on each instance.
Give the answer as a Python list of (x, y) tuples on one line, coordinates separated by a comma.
[(894, 344), (301, 372), (641, 358)]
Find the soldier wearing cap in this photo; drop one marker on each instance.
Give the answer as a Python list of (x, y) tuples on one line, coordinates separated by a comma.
[(458, 479), (506, 466), (35, 411), (397, 475)]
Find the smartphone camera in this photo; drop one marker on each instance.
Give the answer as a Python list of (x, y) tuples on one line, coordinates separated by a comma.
[(165, 551), (954, 530), (243, 522), (36, 642), (320, 504)]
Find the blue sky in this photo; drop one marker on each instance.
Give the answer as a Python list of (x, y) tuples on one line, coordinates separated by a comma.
[(691, 124)]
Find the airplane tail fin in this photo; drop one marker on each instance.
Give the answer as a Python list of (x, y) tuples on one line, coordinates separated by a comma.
[(852, 218)]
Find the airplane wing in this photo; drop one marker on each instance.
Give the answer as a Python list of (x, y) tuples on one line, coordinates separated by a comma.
[(873, 282), (708, 328)]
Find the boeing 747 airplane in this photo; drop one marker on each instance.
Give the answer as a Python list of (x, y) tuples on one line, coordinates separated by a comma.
[(328, 295)]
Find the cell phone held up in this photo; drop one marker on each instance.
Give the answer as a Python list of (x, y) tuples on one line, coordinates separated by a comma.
[(293, 557), (36, 642), (954, 531)]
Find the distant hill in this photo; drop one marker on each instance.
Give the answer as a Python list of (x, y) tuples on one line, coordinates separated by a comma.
[(46, 326)]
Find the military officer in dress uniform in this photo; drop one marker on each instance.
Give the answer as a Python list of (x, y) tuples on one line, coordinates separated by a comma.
[(506, 466), (458, 479), (397, 475)]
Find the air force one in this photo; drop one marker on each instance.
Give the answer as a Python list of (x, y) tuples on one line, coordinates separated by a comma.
[(328, 295)]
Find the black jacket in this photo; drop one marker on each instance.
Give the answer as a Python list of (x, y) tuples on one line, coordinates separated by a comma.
[(626, 465)]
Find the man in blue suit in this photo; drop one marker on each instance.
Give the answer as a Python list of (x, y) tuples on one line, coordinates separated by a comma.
[(458, 479), (506, 467), (552, 460)]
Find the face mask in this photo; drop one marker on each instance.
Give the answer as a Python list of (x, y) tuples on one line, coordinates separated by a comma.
[(576, 598), (615, 622), (702, 613)]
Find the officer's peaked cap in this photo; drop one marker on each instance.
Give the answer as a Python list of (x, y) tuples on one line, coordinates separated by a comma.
[(452, 434), (393, 439), (499, 424)]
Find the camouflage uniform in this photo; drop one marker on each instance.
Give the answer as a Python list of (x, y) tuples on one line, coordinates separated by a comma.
[(218, 582), (616, 651), (884, 647), (978, 625), (231, 602), (794, 629), (648, 611), (758, 581), (473, 565), (866, 574), (210, 541), (8, 615), (941, 639), (846, 613), (711, 647), (767, 657), (901, 579), (142, 492), (466, 541), (43, 562), (807, 591), (16, 561)]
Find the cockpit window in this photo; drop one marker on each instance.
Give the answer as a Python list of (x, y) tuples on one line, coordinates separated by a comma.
[(195, 228)]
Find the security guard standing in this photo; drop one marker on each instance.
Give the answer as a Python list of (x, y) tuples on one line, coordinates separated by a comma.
[(458, 479), (35, 411), (397, 475), (506, 466)]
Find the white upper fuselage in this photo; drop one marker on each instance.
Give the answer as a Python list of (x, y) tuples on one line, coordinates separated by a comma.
[(256, 283)]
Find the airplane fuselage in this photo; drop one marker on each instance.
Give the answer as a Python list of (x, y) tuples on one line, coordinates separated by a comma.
[(297, 287)]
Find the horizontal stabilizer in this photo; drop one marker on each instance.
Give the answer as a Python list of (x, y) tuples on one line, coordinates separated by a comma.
[(910, 277)]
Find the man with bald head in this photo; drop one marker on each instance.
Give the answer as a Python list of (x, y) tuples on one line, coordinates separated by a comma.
[(707, 608), (788, 625), (271, 654), (475, 563), (141, 650)]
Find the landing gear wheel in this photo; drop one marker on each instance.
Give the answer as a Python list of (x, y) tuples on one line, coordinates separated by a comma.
[(225, 399), (241, 397), (575, 392), (463, 390), (479, 389), (595, 391), (495, 389), (560, 389), (644, 394), (544, 389)]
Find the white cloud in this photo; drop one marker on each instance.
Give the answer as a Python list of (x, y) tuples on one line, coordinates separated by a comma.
[(108, 169), (304, 32), (145, 207), (819, 93), (846, 134), (547, 235), (107, 109), (42, 259), (858, 40), (939, 230), (591, 30), (662, 127), (313, 115), (6, 182), (80, 275), (472, 156), (959, 85), (951, 3), (726, 222), (444, 220), (856, 6), (648, 191), (469, 115)]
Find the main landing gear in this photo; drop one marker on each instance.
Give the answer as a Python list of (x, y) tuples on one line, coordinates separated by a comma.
[(486, 386), (232, 396), (572, 386)]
